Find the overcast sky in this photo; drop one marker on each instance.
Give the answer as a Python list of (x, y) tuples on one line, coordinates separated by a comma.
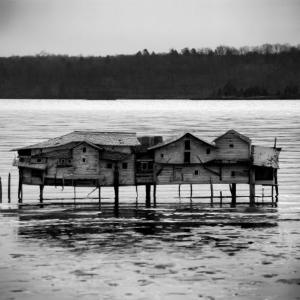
[(101, 27)]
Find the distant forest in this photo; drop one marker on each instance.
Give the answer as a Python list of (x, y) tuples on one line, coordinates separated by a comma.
[(267, 71)]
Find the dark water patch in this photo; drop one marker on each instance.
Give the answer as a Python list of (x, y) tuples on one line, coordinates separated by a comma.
[(289, 281)]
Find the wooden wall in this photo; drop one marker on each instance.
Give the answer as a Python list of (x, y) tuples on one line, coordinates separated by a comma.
[(239, 151)]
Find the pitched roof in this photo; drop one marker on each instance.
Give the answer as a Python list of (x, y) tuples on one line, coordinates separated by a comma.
[(176, 138), (93, 137), (232, 131)]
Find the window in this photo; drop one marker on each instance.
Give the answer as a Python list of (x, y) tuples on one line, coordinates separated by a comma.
[(83, 160), (232, 173), (36, 173), (109, 166), (187, 157), (62, 161), (144, 166), (150, 165), (231, 145), (196, 172), (70, 161), (84, 149), (38, 160), (162, 155), (208, 151), (125, 165), (187, 145)]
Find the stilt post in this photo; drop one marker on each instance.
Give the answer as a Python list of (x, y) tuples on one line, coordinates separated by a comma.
[(41, 193), (99, 196), (191, 190), (20, 187), (233, 195), (252, 186), (272, 194), (179, 190), (116, 187), (9, 188), (154, 194), (221, 199), (211, 193), (276, 185), (148, 195), (0, 190)]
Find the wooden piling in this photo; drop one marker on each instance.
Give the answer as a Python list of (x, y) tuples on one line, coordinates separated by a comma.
[(191, 190), (116, 187), (276, 185), (148, 195), (211, 193), (221, 199), (272, 194), (74, 193), (99, 196), (9, 188), (0, 190), (20, 187), (233, 195), (154, 195), (41, 193), (179, 190), (252, 186)]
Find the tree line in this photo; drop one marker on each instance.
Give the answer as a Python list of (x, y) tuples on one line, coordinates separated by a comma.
[(267, 71)]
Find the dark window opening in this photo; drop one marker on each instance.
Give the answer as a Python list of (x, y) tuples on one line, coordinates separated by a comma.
[(232, 173), (231, 145), (150, 165), (162, 155), (187, 145), (62, 162), (109, 166), (84, 149), (83, 160), (208, 151), (38, 160), (70, 161), (144, 166), (125, 165), (22, 159), (36, 173), (196, 172), (187, 157)]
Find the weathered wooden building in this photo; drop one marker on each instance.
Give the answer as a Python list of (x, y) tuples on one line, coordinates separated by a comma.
[(97, 159)]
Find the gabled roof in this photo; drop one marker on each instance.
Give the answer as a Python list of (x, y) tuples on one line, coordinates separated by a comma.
[(232, 131), (177, 138), (92, 137)]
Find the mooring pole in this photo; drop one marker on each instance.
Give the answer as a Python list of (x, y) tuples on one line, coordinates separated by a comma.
[(272, 194), (211, 193), (252, 186), (20, 187), (179, 190), (8, 188), (74, 193), (137, 196), (116, 187), (148, 195), (191, 191), (221, 199), (233, 195), (0, 190), (154, 194)]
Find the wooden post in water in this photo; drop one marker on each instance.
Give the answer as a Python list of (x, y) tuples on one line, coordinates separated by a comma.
[(20, 187), (191, 190), (99, 196), (272, 194), (74, 186), (221, 199), (0, 190), (154, 194), (252, 186), (211, 193), (148, 195), (179, 190), (276, 185), (9, 188), (116, 187), (233, 195), (41, 193)]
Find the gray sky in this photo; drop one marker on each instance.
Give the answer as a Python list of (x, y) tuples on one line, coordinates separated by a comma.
[(101, 27)]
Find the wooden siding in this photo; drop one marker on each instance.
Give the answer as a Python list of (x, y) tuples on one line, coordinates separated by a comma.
[(239, 151), (174, 153), (265, 156)]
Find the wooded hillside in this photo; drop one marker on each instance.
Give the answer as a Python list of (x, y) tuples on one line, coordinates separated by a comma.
[(266, 71)]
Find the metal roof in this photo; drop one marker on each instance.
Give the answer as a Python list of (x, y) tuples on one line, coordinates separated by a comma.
[(176, 138), (94, 137)]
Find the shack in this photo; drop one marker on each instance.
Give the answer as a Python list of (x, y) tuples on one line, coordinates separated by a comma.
[(101, 159)]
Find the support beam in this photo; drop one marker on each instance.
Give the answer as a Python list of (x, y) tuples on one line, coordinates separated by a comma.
[(211, 193), (221, 199), (191, 190), (252, 186), (148, 195), (74, 193), (179, 190), (154, 195), (20, 187), (99, 196), (276, 185), (9, 188), (0, 190), (116, 187), (41, 193), (272, 194), (233, 195)]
